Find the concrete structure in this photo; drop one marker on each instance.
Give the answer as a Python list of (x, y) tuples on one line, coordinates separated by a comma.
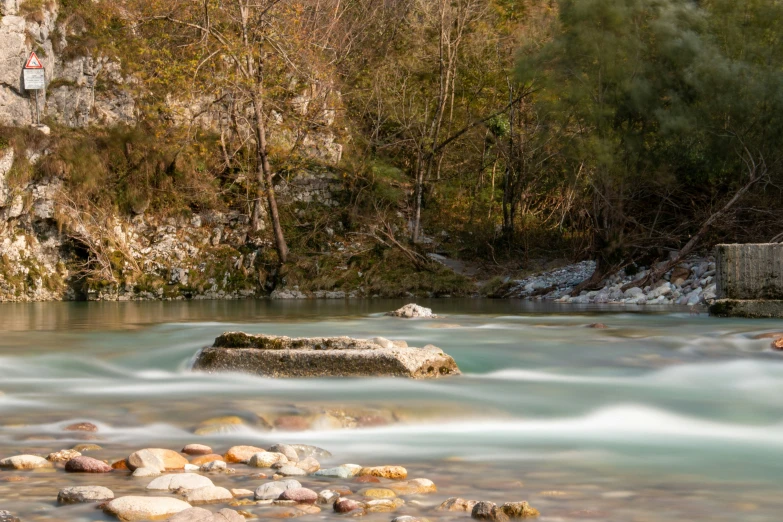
[(750, 280)]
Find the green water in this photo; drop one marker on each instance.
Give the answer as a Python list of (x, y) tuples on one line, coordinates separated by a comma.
[(662, 416)]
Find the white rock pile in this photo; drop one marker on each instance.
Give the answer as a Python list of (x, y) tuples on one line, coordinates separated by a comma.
[(690, 283)]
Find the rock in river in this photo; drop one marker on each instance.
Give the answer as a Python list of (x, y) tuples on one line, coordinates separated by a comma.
[(196, 449), (389, 472), (156, 458), (87, 465), (208, 495), (302, 495), (77, 494), (279, 356), (241, 454), (133, 508), (6, 516), (410, 311), (185, 481), (519, 510), (273, 490), (25, 462)]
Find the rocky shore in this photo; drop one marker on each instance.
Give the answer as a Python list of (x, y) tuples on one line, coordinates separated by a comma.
[(281, 481), (690, 283)]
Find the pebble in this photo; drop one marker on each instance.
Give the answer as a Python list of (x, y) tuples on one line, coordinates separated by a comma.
[(219, 425), (208, 495), (84, 464), (346, 505), (197, 449), (191, 467), (63, 455), (302, 495), (203, 459), (156, 458), (241, 454), (266, 459), (377, 493), (385, 505), (185, 481), (272, 490), (408, 518), (215, 465), (345, 471), (77, 494), (121, 465), (457, 504), (287, 450), (239, 493), (414, 487), (25, 462), (82, 426), (390, 472), (133, 508), (291, 471), (488, 511), (519, 510), (327, 496)]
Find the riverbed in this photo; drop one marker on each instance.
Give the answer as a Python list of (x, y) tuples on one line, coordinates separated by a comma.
[(663, 415)]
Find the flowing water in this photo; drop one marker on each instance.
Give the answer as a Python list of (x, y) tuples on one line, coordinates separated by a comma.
[(661, 416)]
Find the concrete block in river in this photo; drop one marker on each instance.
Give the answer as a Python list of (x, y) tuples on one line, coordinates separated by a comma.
[(749, 280), (753, 271), (279, 356)]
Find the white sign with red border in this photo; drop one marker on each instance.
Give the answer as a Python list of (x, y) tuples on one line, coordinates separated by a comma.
[(34, 76)]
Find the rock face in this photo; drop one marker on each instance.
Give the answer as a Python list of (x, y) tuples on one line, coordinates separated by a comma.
[(749, 280), (278, 356)]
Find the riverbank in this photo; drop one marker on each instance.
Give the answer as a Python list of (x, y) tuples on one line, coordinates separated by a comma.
[(691, 283)]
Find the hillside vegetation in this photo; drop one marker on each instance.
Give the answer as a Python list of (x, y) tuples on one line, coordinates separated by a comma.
[(506, 133)]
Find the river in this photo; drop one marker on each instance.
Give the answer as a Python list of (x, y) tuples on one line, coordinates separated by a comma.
[(661, 416)]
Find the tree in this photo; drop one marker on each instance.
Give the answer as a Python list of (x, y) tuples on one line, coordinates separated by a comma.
[(670, 109), (228, 44)]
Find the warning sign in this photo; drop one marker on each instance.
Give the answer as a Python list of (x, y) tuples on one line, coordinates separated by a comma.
[(33, 62)]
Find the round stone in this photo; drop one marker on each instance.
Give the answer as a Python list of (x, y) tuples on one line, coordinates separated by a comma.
[(86, 465), (266, 459), (291, 471), (308, 465), (196, 449), (214, 466), (287, 450), (389, 472), (63, 455), (185, 481), (272, 490), (241, 454), (77, 494), (146, 472), (203, 459), (301, 495), (346, 505), (208, 495), (157, 458), (133, 508), (25, 462), (377, 493)]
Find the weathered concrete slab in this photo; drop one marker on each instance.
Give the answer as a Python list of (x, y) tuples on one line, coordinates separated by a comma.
[(752, 271), (279, 356), (749, 308), (749, 280)]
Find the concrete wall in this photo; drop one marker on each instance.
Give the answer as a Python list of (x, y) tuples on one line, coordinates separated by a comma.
[(750, 271)]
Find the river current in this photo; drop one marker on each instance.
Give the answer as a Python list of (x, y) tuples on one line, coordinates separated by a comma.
[(662, 416)]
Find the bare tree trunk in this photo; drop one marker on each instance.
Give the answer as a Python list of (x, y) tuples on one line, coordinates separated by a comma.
[(264, 177)]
